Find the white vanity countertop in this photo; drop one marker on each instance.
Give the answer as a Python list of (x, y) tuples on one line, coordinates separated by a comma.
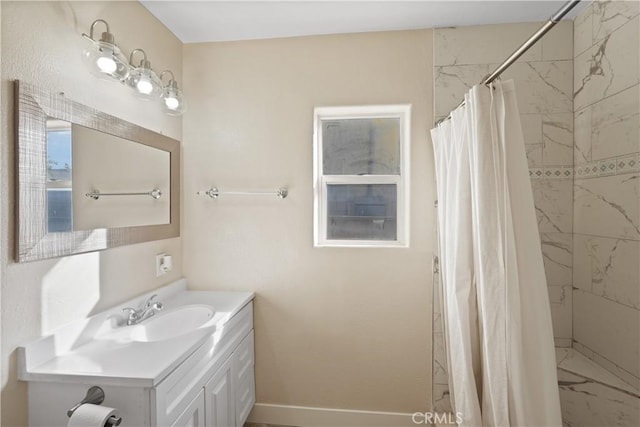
[(74, 355)]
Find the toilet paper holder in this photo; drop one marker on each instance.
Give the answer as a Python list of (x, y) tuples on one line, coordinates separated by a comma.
[(95, 396)]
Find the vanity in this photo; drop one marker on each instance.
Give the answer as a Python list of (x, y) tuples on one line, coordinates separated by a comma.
[(190, 364)]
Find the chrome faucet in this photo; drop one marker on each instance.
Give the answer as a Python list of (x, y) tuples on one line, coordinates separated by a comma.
[(149, 308)]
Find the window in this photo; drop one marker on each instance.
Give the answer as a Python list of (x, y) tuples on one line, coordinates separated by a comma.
[(361, 176)]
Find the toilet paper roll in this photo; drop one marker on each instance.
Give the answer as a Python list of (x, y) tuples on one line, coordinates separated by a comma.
[(89, 415)]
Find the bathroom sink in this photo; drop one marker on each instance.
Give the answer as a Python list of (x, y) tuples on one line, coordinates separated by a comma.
[(165, 324), (172, 323)]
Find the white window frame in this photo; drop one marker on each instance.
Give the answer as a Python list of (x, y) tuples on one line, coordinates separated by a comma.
[(320, 181)]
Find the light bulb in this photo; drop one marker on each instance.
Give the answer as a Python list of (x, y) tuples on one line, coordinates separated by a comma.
[(171, 102), (103, 58), (106, 64), (172, 99), (144, 86)]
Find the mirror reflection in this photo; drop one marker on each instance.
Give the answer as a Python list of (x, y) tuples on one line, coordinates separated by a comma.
[(98, 180), (59, 176)]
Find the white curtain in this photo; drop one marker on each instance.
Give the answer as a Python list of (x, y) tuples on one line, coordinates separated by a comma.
[(496, 313)]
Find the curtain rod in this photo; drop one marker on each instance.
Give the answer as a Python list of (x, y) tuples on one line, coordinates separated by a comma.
[(553, 20)]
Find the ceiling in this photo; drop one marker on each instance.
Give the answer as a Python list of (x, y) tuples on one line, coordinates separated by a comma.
[(206, 21)]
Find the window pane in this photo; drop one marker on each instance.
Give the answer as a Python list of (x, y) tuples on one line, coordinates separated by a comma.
[(362, 212), (361, 146), (59, 176), (60, 210)]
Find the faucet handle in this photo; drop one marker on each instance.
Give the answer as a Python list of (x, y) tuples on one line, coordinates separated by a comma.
[(148, 303), (132, 312)]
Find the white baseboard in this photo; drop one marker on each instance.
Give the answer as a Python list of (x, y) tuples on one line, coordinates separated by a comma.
[(302, 416)]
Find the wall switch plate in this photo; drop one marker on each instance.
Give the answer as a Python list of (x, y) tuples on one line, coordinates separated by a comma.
[(164, 264)]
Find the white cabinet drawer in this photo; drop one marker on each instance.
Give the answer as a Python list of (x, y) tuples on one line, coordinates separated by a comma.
[(244, 354), (180, 387)]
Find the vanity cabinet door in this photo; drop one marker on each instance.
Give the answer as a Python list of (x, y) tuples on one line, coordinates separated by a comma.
[(220, 397), (193, 416), (245, 377)]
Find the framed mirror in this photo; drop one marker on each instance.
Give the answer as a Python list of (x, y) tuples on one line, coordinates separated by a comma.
[(89, 181)]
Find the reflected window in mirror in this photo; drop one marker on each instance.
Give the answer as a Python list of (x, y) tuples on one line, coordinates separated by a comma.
[(59, 176)]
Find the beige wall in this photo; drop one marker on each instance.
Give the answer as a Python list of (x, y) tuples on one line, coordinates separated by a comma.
[(335, 327), (606, 209), (41, 44)]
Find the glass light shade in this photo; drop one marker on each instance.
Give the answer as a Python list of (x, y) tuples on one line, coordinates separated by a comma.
[(145, 82), (173, 101), (106, 60), (106, 64)]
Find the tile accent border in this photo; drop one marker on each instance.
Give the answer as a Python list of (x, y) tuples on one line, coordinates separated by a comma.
[(613, 166), (551, 172), (608, 167)]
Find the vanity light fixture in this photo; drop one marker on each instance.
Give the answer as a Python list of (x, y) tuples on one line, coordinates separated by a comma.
[(104, 58), (143, 79), (172, 100)]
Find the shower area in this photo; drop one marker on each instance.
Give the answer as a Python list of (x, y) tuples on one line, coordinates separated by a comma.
[(578, 96)]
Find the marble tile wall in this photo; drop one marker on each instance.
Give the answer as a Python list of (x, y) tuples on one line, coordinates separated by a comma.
[(544, 87), (579, 96), (591, 396), (606, 206)]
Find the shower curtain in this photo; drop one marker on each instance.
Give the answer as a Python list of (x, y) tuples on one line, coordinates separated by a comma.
[(496, 313)]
